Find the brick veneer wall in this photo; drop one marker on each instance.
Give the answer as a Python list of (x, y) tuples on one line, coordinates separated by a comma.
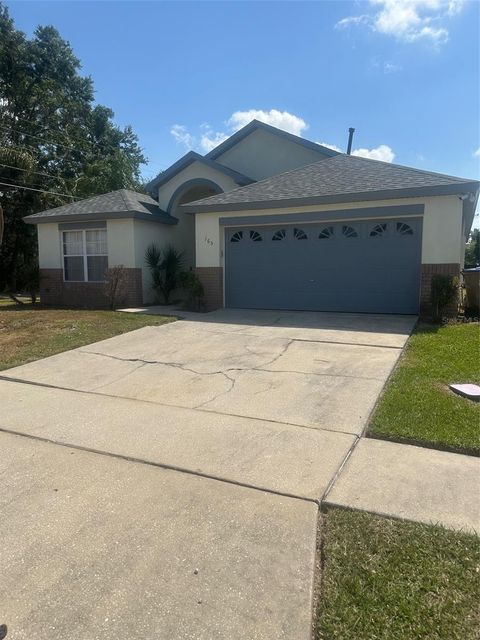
[(429, 270), (54, 291), (212, 280)]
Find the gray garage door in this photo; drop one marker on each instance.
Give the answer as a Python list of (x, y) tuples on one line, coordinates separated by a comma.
[(368, 266)]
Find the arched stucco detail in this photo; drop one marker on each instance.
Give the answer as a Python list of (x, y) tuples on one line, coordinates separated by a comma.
[(188, 184)]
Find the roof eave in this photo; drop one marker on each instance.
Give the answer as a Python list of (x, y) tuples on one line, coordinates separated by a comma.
[(162, 218), (384, 194)]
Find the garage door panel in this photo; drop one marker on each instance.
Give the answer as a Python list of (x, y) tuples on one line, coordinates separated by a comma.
[(370, 266)]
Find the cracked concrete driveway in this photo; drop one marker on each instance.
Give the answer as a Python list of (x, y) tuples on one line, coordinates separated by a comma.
[(229, 428)]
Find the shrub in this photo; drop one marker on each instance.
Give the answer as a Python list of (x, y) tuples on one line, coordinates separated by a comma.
[(444, 292), (189, 281), (115, 286), (165, 266)]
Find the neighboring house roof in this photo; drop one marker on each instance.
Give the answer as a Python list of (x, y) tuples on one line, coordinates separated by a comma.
[(256, 124), (116, 204), (187, 160), (340, 178)]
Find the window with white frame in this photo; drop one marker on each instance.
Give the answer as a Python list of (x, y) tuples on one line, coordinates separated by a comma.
[(85, 256)]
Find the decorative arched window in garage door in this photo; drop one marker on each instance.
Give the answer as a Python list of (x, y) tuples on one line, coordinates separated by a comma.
[(378, 230), (349, 232), (281, 234), (299, 234), (404, 229), (255, 236), (326, 233), (237, 236)]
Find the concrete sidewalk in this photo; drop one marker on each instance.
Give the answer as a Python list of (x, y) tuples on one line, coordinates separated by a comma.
[(411, 483), (93, 547)]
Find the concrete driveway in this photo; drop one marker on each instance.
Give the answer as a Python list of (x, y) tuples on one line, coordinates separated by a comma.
[(176, 473)]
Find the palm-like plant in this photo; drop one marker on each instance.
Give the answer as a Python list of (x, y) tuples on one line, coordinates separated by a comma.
[(165, 266)]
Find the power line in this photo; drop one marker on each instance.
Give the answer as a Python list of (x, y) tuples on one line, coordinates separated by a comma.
[(16, 182), (38, 173), (53, 193), (31, 135), (46, 128)]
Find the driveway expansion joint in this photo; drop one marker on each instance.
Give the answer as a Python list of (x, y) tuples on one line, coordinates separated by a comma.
[(174, 406), (160, 465)]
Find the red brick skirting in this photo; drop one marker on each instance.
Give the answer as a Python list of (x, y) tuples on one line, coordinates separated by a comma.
[(54, 291), (212, 280), (428, 270)]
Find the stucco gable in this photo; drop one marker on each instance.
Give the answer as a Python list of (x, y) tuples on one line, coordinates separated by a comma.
[(262, 151)]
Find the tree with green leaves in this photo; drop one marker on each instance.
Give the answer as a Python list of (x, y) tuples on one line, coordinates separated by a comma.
[(56, 145), (472, 250)]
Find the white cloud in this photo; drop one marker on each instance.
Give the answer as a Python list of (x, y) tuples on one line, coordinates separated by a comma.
[(182, 136), (476, 154), (208, 139), (353, 21), (383, 152), (391, 67), (386, 66), (211, 139), (408, 20), (330, 146), (280, 119)]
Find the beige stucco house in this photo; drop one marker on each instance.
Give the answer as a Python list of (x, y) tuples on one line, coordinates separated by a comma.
[(269, 220)]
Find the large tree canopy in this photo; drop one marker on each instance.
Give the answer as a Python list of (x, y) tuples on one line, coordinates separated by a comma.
[(53, 138)]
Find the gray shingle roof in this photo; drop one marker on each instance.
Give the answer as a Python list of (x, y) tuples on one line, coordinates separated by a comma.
[(341, 178), (116, 204)]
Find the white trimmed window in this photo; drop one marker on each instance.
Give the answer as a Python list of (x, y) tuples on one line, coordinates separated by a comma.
[(85, 256)]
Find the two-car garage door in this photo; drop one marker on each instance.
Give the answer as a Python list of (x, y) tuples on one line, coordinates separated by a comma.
[(366, 266)]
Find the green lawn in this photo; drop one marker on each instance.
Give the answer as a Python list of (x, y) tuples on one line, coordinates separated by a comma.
[(389, 580), (28, 333), (417, 405)]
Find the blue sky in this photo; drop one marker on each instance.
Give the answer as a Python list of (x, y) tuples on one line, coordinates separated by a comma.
[(405, 73)]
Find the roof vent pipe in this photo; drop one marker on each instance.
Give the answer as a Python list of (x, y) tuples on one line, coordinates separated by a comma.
[(350, 140)]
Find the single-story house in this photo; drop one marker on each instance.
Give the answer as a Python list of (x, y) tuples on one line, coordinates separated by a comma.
[(269, 220)]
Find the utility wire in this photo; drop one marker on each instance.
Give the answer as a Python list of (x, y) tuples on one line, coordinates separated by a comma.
[(20, 182), (53, 193), (45, 128), (38, 173), (31, 135)]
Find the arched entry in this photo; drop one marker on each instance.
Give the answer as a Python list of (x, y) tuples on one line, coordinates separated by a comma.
[(191, 190)]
